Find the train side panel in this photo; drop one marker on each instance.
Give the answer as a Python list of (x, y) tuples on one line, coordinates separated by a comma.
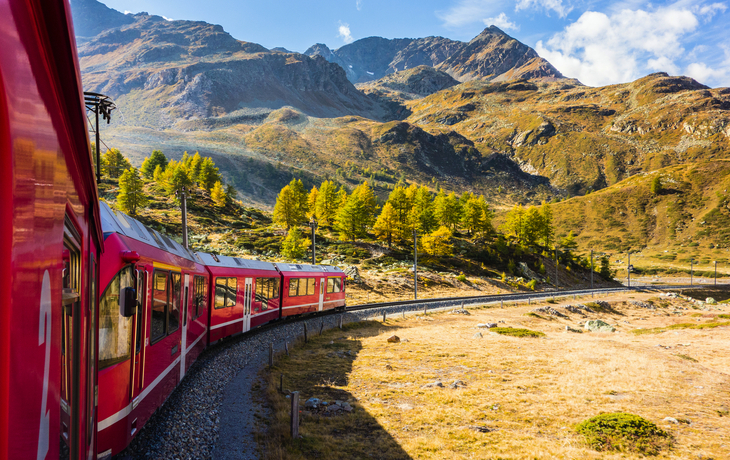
[(49, 239)]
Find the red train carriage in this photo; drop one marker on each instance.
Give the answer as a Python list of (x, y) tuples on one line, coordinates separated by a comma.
[(310, 288), (50, 239), (145, 351), (244, 294)]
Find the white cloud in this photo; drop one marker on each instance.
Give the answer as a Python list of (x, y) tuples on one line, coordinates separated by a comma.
[(167, 19), (501, 21), (706, 74), (555, 5), (468, 12), (358, 4), (599, 49), (708, 11), (344, 32), (127, 12)]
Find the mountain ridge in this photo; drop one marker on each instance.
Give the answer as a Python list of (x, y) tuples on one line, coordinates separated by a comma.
[(492, 55)]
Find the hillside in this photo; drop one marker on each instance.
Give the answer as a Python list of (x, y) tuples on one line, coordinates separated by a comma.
[(266, 116)]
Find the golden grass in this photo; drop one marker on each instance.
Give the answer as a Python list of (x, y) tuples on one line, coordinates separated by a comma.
[(528, 394)]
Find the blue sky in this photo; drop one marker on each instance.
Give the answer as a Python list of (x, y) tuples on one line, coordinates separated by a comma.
[(597, 42)]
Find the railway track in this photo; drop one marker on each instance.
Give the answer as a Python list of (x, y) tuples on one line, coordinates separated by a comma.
[(522, 296)]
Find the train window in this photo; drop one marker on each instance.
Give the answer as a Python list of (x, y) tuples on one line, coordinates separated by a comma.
[(173, 321), (220, 292), (231, 292), (301, 286), (266, 288), (334, 285), (159, 306), (115, 331), (201, 295), (225, 292)]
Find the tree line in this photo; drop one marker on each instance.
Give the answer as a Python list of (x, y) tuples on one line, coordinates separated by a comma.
[(407, 209), (190, 173)]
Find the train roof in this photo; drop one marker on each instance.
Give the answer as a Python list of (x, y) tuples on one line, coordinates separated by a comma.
[(118, 222), (287, 267), (212, 260)]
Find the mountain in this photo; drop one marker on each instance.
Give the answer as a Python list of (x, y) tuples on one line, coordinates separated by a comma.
[(492, 55), (91, 18), (163, 72), (584, 139)]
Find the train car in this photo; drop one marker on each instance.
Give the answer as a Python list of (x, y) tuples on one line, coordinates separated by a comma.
[(50, 239), (310, 288), (146, 349), (244, 294)]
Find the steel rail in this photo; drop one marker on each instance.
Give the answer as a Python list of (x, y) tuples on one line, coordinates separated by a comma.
[(528, 295)]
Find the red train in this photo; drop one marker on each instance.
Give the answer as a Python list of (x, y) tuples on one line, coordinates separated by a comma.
[(80, 373), (186, 301), (50, 239)]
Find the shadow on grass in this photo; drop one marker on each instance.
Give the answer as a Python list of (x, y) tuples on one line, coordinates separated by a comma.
[(320, 369)]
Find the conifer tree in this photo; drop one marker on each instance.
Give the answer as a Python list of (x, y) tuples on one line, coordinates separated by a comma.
[(515, 222), (113, 163), (312, 202), (438, 243), (398, 199), (218, 195), (423, 214), (176, 178), (285, 208), (448, 209), (231, 193), (194, 166), (370, 203), (131, 196), (386, 225), (152, 162), (158, 175), (327, 204), (472, 215), (546, 230), (295, 246), (299, 195), (350, 221), (533, 225), (208, 175)]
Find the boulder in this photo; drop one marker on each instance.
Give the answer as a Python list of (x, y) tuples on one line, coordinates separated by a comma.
[(478, 335), (711, 301), (487, 325), (435, 384), (597, 325), (312, 403), (393, 339)]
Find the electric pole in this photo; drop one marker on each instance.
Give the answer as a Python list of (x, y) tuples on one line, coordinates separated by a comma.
[(415, 264), (591, 269), (313, 224), (99, 105), (184, 209)]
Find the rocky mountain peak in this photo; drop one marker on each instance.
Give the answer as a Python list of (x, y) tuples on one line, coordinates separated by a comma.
[(489, 33)]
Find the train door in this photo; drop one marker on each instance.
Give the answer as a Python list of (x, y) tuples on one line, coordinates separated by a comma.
[(184, 339), (71, 335), (247, 294), (140, 332), (322, 283)]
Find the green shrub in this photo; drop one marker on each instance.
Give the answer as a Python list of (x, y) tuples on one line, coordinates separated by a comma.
[(624, 432), (516, 332), (531, 284), (461, 277)]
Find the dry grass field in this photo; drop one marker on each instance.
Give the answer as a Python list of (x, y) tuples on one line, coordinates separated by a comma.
[(518, 397)]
